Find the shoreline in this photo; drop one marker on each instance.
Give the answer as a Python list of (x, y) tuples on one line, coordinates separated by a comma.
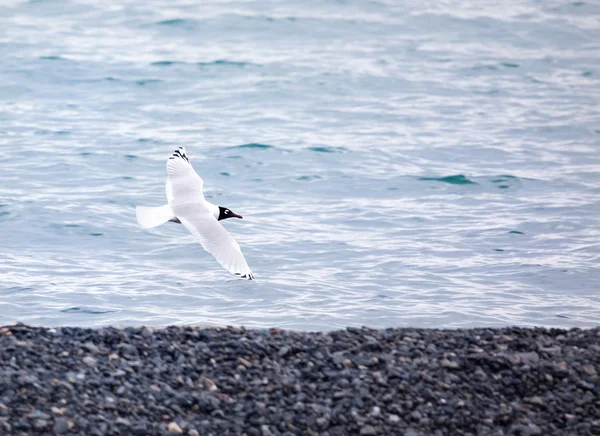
[(226, 380)]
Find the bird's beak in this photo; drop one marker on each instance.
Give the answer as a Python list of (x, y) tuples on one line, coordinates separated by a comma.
[(238, 216)]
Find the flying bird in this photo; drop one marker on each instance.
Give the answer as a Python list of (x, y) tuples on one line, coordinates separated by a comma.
[(186, 205)]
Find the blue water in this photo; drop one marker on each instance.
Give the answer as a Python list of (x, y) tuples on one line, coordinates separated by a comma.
[(419, 163)]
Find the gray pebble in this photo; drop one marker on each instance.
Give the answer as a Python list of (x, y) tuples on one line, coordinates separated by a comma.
[(92, 348), (90, 361), (368, 430), (40, 424), (394, 419), (61, 426), (38, 414), (529, 357)]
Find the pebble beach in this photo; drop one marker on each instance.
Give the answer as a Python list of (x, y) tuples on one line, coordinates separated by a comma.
[(430, 169), (234, 381)]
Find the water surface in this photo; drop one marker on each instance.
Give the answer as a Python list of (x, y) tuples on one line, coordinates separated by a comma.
[(397, 163)]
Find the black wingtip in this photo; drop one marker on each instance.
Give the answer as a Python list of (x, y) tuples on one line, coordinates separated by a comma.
[(180, 153), (249, 276)]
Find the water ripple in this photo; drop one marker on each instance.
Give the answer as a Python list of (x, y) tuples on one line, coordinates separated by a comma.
[(397, 164)]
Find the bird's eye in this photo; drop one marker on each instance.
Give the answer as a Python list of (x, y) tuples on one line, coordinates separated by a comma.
[(226, 211)]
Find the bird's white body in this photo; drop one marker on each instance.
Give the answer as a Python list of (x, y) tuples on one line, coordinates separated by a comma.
[(186, 204)]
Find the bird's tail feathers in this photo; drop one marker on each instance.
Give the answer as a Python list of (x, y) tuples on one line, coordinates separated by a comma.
[(148, 217)]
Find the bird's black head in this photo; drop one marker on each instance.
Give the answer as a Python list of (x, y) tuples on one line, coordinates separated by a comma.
[(225, 213)]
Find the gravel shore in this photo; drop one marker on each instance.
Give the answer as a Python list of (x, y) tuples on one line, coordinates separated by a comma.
[(220, 381)]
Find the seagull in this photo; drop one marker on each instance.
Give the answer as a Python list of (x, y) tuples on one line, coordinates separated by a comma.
[(186, 205)]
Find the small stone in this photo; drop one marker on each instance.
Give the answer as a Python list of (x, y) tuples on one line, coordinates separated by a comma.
[(6, 427), (520, 429), (173, 427), (450, 364), (554, 351), (92, 348), (82, 423), (90, 361), (322, 422), (128, 350), (244, 362), (122, 421), (368, 430), (265, 430), (118, 373), (431, 348), (28, 379), (589, 370), (193, 432), (394, 419), (37, 414), (375, 412), (61, 426), (529, 357), (57, 410), (347, 363), (40, 424), (536, 400), (284, 351), (113, 356), (416, 415), (208, 384)]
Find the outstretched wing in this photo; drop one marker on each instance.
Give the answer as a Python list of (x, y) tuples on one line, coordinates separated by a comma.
[(218, 242), (183, 183)]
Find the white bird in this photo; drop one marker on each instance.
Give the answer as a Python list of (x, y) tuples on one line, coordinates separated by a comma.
[(187, 205)]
